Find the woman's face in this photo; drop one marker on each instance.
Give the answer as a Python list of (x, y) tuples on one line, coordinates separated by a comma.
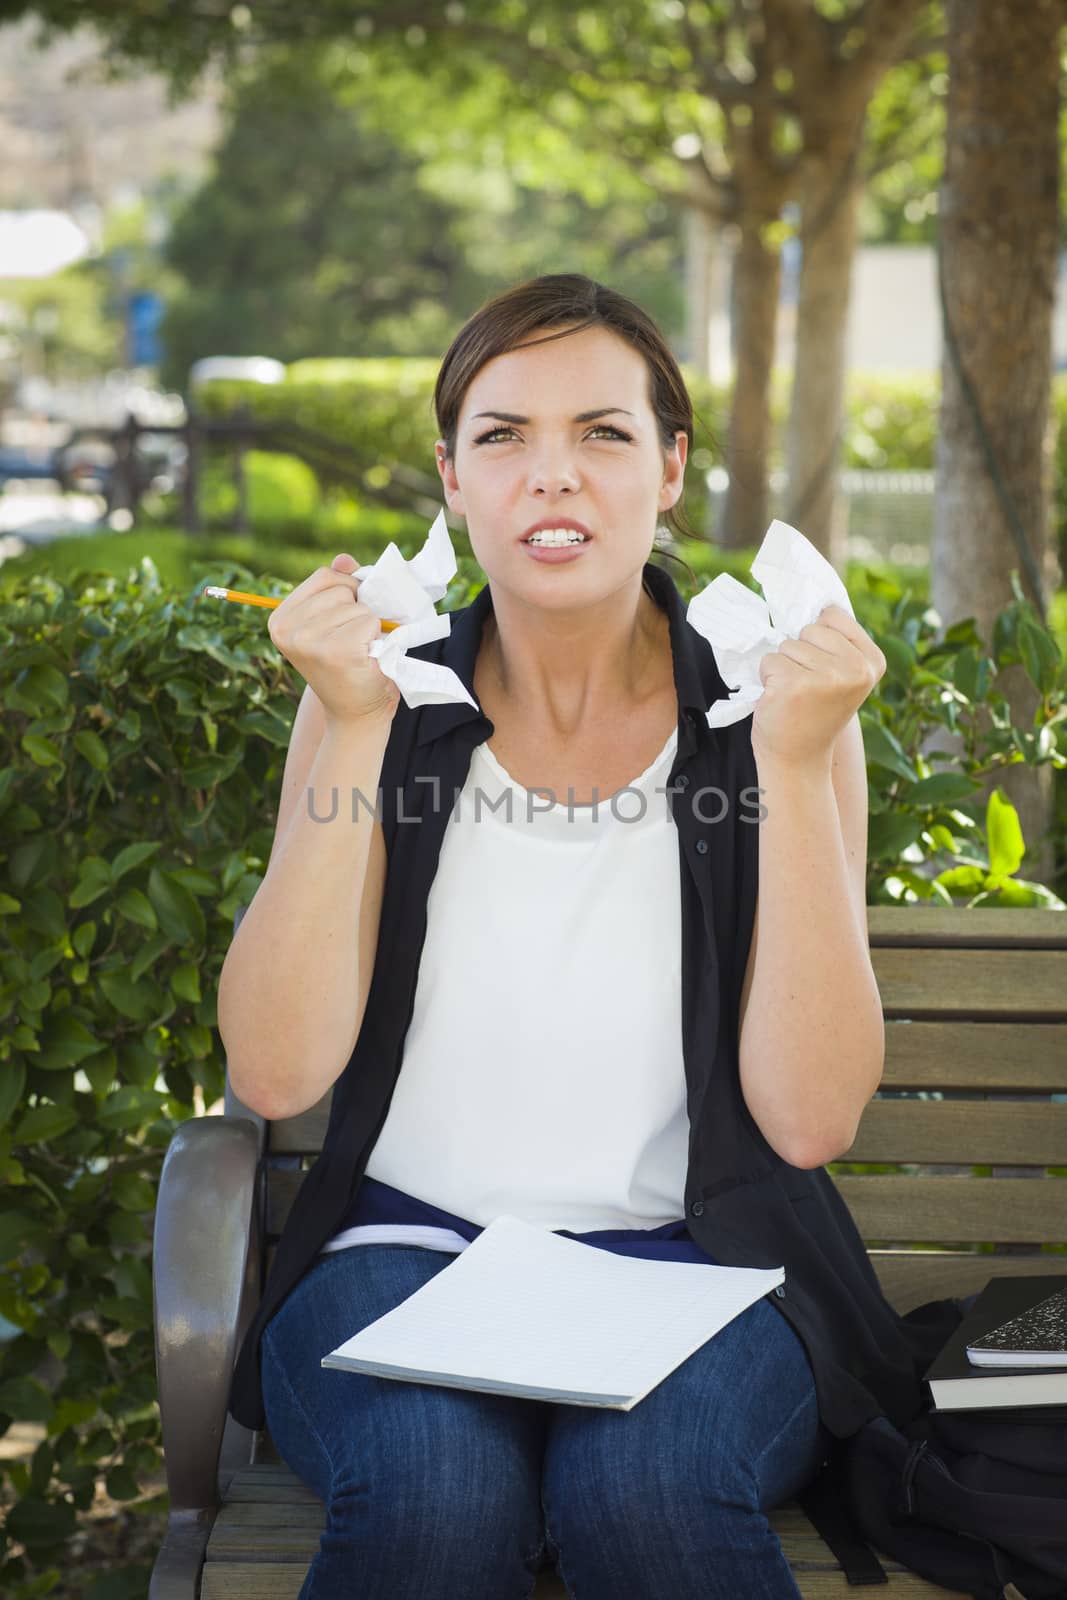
[(526, 453)]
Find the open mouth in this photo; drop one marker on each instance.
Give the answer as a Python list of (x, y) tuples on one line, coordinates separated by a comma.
[(550, 540)]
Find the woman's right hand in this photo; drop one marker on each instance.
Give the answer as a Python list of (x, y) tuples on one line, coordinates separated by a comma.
[(324, 630)]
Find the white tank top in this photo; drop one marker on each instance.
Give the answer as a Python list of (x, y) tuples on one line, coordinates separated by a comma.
[(542, 1071)]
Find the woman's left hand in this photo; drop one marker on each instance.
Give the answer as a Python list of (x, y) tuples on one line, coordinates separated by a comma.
[(812, 687)]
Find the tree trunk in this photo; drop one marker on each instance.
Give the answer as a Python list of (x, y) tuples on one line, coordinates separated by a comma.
[(829, 198), (999, 241), (698, 289), (744, 513)]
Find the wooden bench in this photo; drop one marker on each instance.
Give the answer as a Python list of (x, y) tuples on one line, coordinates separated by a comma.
[(976, 1074)]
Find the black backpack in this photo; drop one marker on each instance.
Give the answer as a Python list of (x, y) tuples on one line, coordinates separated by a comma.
[(973, 1500)]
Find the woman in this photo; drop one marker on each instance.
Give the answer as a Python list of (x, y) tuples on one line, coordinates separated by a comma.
[(592, 1035)]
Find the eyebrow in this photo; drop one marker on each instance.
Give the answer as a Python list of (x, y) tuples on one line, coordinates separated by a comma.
[(583, 416)]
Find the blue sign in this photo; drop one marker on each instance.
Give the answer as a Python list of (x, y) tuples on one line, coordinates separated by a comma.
[(144, 312)]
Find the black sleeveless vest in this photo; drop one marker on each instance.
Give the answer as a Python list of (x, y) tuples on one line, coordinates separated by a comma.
[(744, 1204)]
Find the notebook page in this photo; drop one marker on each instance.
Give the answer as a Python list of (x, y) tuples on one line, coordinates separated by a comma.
[(522, 1305)]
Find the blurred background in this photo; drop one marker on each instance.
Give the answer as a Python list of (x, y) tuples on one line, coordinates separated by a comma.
[(236, 241)]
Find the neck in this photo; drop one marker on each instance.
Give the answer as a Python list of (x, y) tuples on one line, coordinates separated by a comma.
[(564, 671)]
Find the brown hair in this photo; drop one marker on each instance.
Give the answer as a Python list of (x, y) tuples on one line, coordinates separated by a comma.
[(579, 302)]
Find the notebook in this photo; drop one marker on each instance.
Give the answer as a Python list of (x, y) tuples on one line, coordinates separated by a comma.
[(1035, 1337), (523, 1311), (958, 1384)]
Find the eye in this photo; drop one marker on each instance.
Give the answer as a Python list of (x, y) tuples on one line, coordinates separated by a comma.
[(601, 427)]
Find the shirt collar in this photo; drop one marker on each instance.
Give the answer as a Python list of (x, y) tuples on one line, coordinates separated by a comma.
[(697, 678)]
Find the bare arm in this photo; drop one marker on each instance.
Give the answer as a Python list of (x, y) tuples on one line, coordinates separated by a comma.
[(294, 984), (812, 1036)]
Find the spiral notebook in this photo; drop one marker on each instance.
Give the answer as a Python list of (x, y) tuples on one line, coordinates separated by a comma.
[(526, 1312)]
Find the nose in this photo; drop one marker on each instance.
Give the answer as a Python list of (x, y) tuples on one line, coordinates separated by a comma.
[(553, 472)]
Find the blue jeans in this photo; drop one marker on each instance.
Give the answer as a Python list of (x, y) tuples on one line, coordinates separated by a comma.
[(437, 1493)]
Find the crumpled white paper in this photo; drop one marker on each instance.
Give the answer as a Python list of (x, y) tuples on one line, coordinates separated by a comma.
[(404, 592), (797, 582)]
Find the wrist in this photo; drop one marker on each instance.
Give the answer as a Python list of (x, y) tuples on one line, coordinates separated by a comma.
[(813, 768), (369, 725)]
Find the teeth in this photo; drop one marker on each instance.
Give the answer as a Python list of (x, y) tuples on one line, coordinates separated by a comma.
[(556, 536)]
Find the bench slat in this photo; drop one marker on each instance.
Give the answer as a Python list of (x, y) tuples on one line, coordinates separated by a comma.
[(278, 1581), (908, 1209), (1016, 1057), (1020, 1057), (1006, 1133), (911, 1277), (980, 928), (254, 1515), (945, 1210), (1024, 985), (230, 1580)]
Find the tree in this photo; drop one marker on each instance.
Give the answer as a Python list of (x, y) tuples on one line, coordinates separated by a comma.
[(311, 235), (771, 93), (837, 60), (998, 257), (319, 233)]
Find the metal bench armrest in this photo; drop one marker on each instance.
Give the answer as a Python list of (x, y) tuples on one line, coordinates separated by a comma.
[(205, 1285)]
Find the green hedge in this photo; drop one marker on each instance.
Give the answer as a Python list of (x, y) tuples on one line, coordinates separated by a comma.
[(142, 750), (385, 407)]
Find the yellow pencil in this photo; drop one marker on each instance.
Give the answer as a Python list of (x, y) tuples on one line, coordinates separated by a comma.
[(265, 600)]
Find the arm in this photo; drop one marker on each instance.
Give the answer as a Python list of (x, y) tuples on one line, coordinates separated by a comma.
[(812, 1037), (295, 981)]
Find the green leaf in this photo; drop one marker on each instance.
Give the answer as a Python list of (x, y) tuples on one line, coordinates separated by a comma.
[(177, 909), (102, 1071), (268, 725), (94, 879), (131, 1583), (1040, 653), (899, 657), (45, 914), (43, 1122), (185, 982), (35, 996), (41, 750), (122, 1484), (39, 689), (65, 1042), (195, 881), (129, 1106), (33, 861), (19, 1232), (136, 907), (1006, 845), (99, 1444), (28, 1400), (44, 1459), (59, 1341), (40, 1523), (963, 880), (132, 855), (138, 1001), (133, 1192), (71, 1412), (884, 749), (941, 789), (12, 1088), (149, 954), (125, 1230), (965, 672), (92, 747), (9, 907), (889, 833), (84, 937)]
